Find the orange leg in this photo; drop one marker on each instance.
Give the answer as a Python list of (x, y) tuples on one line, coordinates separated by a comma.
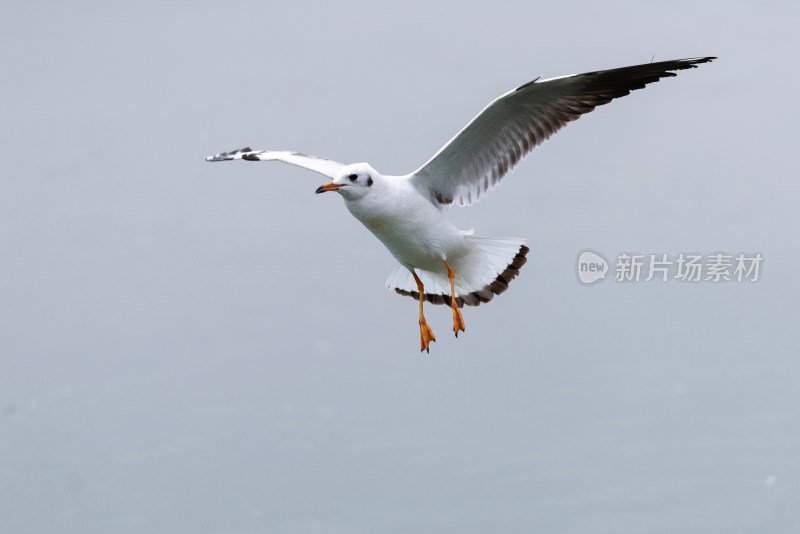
[(426, 334), (458, 321)]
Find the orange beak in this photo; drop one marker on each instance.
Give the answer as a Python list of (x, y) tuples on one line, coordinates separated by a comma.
[(330, 186)]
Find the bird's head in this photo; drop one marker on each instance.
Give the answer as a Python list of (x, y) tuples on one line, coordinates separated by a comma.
[(353, 182)]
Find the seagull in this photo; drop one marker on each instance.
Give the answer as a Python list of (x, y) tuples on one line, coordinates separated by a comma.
[(438, 262)]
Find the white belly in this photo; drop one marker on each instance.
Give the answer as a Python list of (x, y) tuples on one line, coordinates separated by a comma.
[(413, 230)]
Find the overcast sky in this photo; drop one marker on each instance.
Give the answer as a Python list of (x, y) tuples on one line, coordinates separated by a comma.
[(209, 348)]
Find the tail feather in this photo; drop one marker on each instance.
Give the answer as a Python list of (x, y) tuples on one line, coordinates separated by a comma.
[(481, 275)]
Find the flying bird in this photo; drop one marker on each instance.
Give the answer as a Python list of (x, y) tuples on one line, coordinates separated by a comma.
[(438, 262)]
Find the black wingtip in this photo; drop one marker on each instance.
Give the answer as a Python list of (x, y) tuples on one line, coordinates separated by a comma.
[(698, 60), (524, 85), (225, 156)]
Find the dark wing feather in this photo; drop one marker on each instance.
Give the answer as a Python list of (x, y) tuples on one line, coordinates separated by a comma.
[(477, 158)]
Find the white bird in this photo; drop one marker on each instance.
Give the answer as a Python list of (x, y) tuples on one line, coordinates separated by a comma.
[(438, 262)]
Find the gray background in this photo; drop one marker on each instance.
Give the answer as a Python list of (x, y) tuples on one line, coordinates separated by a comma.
[(191, 347)]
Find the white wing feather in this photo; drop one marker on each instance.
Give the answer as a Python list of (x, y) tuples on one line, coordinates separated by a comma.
[(476, 159), (329, 168)]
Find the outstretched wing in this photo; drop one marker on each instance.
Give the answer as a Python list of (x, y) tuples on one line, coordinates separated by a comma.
[(477, 158), (321, 165)]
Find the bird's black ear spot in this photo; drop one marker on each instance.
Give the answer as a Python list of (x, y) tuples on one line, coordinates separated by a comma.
[(353, 177), (369, 181)]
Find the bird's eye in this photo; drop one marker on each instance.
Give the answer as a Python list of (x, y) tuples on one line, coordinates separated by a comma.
[(353, 177)]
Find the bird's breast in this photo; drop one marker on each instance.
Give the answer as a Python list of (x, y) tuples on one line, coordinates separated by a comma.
[(384, 220), (413, 230)]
